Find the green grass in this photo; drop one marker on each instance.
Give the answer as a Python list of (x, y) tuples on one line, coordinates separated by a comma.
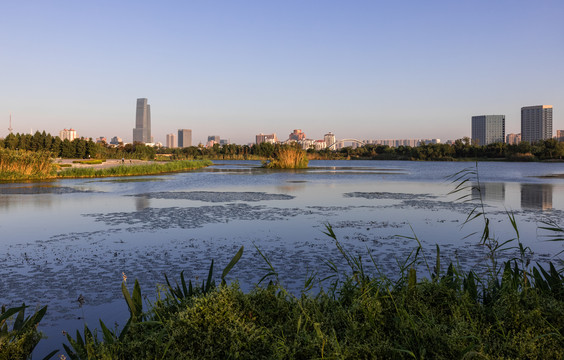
[(89, 162), (134, 170)]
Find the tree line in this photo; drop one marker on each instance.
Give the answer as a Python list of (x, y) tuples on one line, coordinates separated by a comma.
[(80, 148), (461, 149)]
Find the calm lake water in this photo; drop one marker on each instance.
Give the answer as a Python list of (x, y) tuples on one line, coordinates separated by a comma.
[(65, 238)]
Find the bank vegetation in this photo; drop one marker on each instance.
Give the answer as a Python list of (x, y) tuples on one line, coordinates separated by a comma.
[(461, 149)]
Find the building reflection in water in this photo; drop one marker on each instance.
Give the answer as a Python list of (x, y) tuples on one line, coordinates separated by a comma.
[(142, 202), (494, 192), (536, 196)]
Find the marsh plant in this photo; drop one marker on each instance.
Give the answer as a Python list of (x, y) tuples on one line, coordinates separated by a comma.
[(19, 334), (288, 157), (24, 165)]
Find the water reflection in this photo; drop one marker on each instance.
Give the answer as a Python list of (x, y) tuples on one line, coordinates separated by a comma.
[(494, 192), (142, 202), (536, 196)]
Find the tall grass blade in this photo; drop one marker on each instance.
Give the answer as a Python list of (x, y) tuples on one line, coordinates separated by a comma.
[(231, 264)]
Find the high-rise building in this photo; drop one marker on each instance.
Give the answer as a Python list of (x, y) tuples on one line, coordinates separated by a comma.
[(560, 135), (488, 129), (142, 131), (269, 138), (170, 141), (329, 140), (513, 139), (536, 123), (184, 138), (68, 134)]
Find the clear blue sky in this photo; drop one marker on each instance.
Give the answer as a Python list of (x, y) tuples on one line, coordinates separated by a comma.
[(361, 69)]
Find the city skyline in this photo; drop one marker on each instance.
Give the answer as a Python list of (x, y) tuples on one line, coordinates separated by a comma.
[(362, 70)]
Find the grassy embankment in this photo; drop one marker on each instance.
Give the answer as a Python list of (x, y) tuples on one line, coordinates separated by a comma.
[(26, 165), (288, 157), (133, 170)]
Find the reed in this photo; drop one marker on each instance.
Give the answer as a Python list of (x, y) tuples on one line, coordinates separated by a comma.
[(25, 165), (134, 170), (288, 157)]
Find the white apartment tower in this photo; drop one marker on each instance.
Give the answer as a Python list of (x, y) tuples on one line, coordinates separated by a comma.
[(329, 140), (68, 134)]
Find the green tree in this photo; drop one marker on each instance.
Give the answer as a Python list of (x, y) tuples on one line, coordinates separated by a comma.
[(67, 149), (79, 148), (56, 146), (11, 142)]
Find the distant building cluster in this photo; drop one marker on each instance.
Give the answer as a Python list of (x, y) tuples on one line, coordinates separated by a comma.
[(403, 142), (536, 125)]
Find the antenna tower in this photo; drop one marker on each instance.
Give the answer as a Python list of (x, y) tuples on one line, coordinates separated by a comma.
[(10, 128)]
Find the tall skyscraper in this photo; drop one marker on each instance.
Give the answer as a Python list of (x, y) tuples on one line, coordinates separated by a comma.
[(488, 129), (536, 123), (184, 138), (170, 141), (142, 131)]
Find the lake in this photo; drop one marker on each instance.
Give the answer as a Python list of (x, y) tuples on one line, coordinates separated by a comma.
[(67, 238)]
